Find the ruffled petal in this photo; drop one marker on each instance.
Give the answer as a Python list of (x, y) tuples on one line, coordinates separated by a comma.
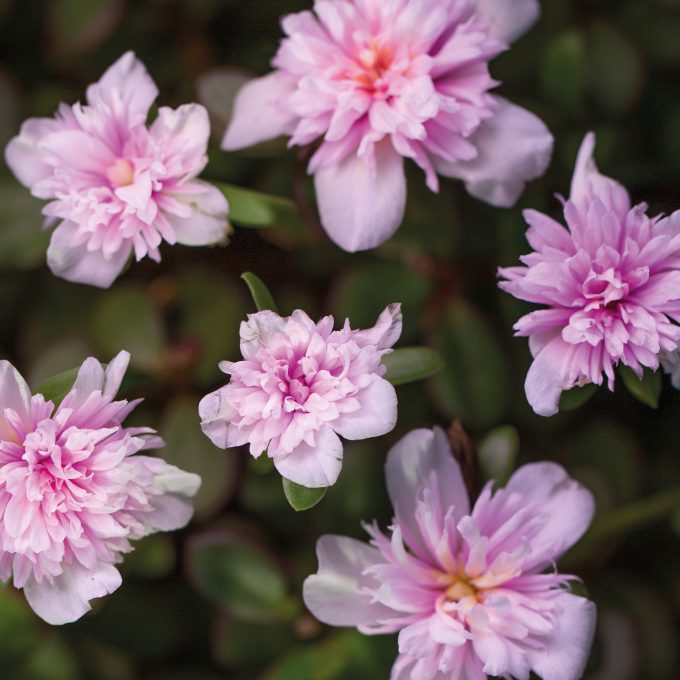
[(508, 19), (362, 205), (377, 415), (260, 112), (513, 147)]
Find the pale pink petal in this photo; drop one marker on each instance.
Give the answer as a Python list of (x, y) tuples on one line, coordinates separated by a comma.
[(565, 654), (114, 374), (16, 395), (216, 412), (313, 466), (78, 265), (387, 329), (22, 154), (423, 459), (514, 147), (508, 19), (362, 206), (377, 415), (260, 112), (183, 134), (566, 506), (588, 181), (548, 376), (126, 89), (68, 597), (207, 224), (337, 593)]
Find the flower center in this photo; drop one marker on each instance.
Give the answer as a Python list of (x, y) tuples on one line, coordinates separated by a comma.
[(459, 589), (605, 287), (374, 60), (121, 173)]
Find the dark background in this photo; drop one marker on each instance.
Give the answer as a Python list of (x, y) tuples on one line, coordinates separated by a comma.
[(222, 599)]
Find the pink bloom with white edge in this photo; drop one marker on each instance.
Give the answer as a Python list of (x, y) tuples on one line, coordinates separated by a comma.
[(610, 281), (73, 492), (470, 592), (377, 81), (115, 185), (300, 385)]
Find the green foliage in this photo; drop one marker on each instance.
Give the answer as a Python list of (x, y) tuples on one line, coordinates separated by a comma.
[(647, 390), (261, 296), (56, 388), (410, 364), (300, 497)]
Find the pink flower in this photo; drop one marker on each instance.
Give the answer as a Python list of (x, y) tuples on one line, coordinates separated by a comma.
[(114, 185), (466, 590), (301, 385), (73, 494), (611, 284), (381, 80)]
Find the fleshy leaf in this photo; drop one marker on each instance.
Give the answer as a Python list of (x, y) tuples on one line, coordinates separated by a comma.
[(248, 208), (497, 454), (56, 388), (240, 578), (647, 390), (300, 497), (576, 397), (262, 298), (409, 364)]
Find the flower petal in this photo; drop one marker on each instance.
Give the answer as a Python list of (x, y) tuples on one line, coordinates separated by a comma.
[(377, 415), (313, 466), (565, 654), (514, 147), (386, 331), (22, 155), (423, 459), (68, 597), (207, 224), (336, 594), (508, 19), (568, 508), (78, 265), (16, 395), (126, 89), (260, 113), (362, 206)]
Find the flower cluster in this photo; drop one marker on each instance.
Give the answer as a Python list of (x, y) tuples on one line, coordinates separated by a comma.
[(115, 185), (73, 492), (467, 590), (300, 385), (610, 282), (381, 81)]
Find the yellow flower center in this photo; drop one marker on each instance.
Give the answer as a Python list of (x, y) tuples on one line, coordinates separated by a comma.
[(121, 173)]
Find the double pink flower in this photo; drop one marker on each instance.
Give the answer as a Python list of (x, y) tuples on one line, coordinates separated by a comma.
[(377, 81), (74, 490), (610, 283), (115, 186), (471, 592)]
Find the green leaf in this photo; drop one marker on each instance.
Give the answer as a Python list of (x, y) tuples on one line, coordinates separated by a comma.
[(80, 25), (473, 384), (127, 318), (647, 390), (300, 497), (243, 580), (56, 388), (189, 449), (262, 298), (572, 399), (564, 71), (409, 364), (248, 208), (23, 242), (497, 454)]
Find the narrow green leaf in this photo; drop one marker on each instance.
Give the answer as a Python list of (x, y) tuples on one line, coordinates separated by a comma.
[(409, 364), (56, 388), (647, 390), (262, 298), (248, 208), (300, 497)]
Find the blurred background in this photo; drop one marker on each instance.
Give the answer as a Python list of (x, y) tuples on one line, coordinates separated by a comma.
[(222, 599)]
